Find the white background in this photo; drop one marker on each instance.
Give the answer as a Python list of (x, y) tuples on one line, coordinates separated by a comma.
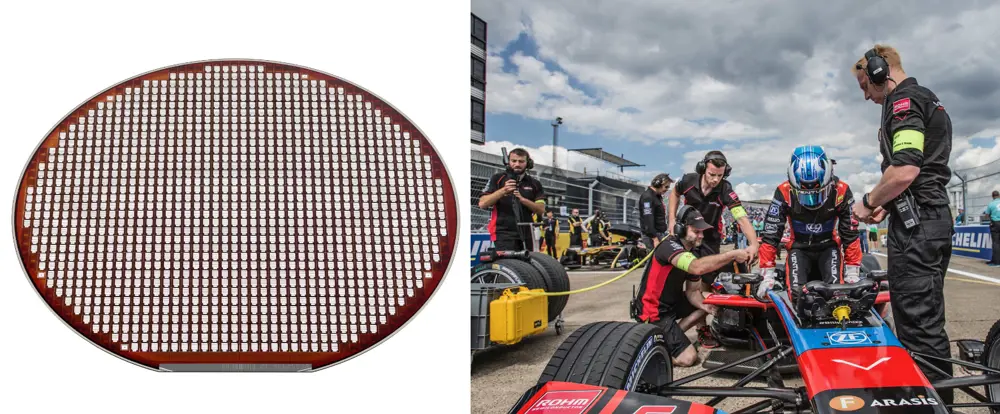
[(413, 54)]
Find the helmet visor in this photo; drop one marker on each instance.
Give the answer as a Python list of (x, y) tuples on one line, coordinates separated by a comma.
[(811, 198)]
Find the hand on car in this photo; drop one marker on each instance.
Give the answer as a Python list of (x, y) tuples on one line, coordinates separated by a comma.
[(741, 255), (711, 309), (852, 274), (765, 285)]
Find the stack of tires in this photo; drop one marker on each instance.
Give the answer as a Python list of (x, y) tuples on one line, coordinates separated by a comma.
[(539, 271)]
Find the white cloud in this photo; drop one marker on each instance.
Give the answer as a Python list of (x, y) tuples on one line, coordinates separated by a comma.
[(754, 192), (775, 74)]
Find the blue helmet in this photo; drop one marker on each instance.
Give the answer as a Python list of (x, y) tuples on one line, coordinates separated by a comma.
[(810, 174)]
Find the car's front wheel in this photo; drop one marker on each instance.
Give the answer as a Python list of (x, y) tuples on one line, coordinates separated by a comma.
[(623, 355)]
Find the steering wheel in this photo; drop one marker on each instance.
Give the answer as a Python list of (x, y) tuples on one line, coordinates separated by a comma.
[(826, 302)]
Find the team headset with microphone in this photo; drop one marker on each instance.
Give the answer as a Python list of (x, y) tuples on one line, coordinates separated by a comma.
[(680, 226), (877, 68), (510, 171), (702, 165)]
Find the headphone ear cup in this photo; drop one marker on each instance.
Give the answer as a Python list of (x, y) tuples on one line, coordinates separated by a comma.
[(700, 167), (679, 228), (877, 70)]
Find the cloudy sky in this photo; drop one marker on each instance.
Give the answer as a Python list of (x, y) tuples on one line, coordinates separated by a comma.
[(663, 82)]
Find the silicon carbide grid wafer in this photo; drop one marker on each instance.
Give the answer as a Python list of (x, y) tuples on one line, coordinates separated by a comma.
[(235, 215)]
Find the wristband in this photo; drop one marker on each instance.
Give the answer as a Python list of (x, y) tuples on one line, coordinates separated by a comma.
[(864, 200)]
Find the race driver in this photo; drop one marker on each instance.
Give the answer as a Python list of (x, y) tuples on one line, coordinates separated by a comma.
[(666, 302), (709, 192), (824, 239)]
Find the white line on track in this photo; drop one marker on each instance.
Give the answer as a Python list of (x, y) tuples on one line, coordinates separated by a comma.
[(962, 272)]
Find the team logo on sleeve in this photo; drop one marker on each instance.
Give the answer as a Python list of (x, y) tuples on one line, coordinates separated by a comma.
[(775, 207), (901, 105), (647, 208), (732, 195)]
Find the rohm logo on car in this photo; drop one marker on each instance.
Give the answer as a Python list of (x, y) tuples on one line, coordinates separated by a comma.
[(568, 402)]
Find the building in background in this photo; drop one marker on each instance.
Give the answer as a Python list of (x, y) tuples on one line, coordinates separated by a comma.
[(478, 80)]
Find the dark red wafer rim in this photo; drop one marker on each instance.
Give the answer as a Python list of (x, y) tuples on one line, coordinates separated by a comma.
[(240, 361)]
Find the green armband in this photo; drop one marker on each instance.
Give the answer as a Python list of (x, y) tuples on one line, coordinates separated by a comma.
[(684, 260), (738, 212), (907, 139)]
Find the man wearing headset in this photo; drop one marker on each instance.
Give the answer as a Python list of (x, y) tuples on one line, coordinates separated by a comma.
[(514, 196), (652, 213), (915, 143), (665, 301), (823, 239), (709, 192)]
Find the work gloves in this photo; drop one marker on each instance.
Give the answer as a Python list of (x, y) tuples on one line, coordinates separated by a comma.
[(767, 284), (852, 274)]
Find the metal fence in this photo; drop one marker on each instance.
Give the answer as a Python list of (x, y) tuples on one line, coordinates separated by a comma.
[(615, 195), (973, 192)]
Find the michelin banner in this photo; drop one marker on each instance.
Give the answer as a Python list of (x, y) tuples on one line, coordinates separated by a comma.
[(972, 241)]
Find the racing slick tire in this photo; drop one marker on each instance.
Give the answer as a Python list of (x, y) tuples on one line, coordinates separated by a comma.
[(623, 355), (556, 280), (991, 358), (510, 271)]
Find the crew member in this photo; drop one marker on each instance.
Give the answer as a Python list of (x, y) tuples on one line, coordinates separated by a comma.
[(915, 143), (666, 302), (823, 237), (597, 227), (575, 229), (708, 191), (652, 213), (514, 196), (606, 228), (550, 227), (993, 210), (537, 232), (873, 236)]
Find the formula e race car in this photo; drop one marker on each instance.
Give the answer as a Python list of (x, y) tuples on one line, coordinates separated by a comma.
[(737, 319), (621, 254), (849, 359)]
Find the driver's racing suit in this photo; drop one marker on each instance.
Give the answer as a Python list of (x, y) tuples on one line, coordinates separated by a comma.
[(825, 239)]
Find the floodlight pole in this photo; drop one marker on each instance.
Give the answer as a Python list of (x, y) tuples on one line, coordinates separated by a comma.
[(555, 138)]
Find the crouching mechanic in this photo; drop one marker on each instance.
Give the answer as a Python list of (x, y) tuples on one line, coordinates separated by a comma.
[(824, 234), (665, 300)]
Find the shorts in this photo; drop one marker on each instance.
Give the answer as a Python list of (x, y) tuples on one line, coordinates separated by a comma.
[(675, 338), (872, 236)]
